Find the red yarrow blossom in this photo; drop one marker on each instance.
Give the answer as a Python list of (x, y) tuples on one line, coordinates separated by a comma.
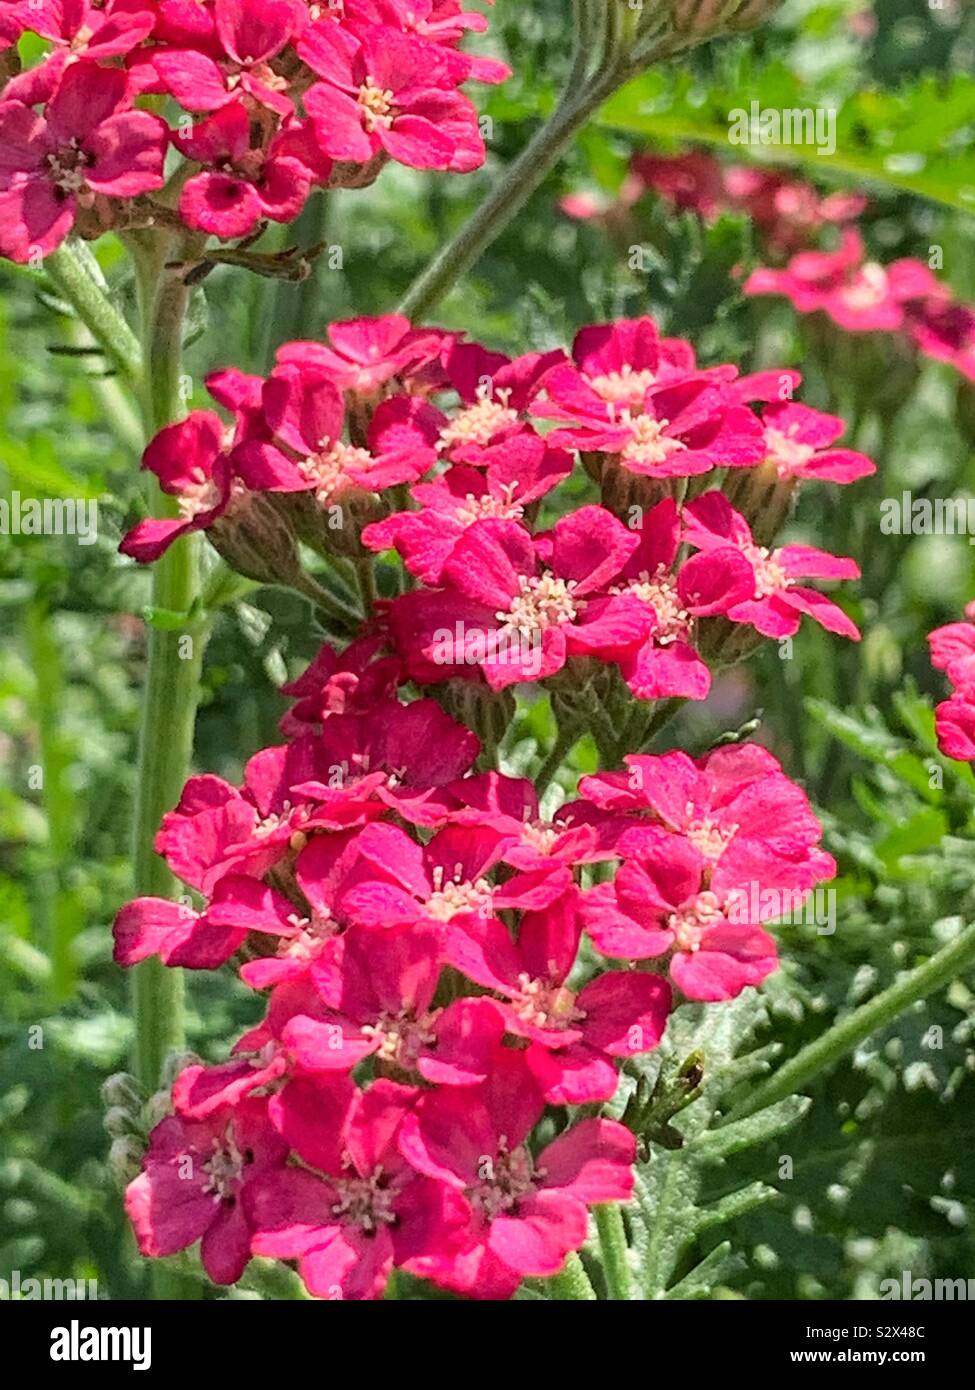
[(495, 393), (575, 1036), (953, 649), (362, 355), (304, 412), (511, 476), (371, 994), (388, 92), (857, 294), (944, 330), (799, 440), (517, 609), (179, 935), (446, 882), (729, 797), (666, 663), (248, 35), (195, 1178), (241, 183), (525, 1214), (365, 1209), (678, 430), (618, 362), (669, 900), (88, 143), (192, 462), (777, 603)]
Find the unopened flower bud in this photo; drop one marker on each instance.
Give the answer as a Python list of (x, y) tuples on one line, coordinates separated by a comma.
[(763, 498), (119, 1121), (125, 1159), (123, 1090), (255, 540), (703, 18), (174, 1063)]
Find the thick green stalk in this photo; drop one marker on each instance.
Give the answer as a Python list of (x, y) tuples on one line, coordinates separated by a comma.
[(174, 661), (614, 1252), (822, 1054)]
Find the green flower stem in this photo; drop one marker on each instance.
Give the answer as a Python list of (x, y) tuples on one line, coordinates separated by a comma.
[(508, 197), (67, 271), (822, 1054), (565, 739), (174, 659), (572, 1282), (614, 1251), (172, 677)]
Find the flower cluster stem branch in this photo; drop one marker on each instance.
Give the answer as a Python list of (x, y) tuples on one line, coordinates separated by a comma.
[(507, 199), (614, 1251), (173, 666), (824, 1052)]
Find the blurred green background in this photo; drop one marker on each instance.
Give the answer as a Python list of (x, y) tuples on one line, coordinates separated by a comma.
[(883, 1171)]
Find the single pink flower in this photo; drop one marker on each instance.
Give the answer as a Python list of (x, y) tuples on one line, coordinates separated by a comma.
[(387, 91), (858, 295), (194, 1183), (954, 722), (798, 441), (241, 183), (88, 142), (511, 476), (777, 604), (192, 460), (517, 609), (575, 1036), (667, 901), (365, 1210), (363, 354), (666, 663), (248, 36)]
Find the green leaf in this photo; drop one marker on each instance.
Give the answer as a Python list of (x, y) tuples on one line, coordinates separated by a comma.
[(913, 139)]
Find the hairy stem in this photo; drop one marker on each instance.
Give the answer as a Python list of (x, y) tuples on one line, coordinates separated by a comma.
[(508, 197), (824, 1052), (69, 271), (572, 1282), (614, 1251)]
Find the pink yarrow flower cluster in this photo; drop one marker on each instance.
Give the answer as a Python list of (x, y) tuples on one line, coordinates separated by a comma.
[(278, 97), (861, 295), (379, 1113), (443, 965), (384, 410), (788, 212)]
